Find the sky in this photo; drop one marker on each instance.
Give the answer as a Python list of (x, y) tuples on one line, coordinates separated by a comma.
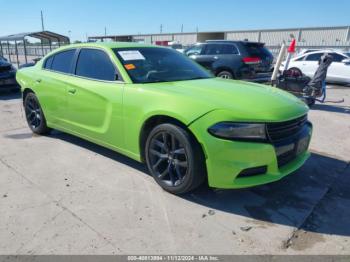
[(79, 18)]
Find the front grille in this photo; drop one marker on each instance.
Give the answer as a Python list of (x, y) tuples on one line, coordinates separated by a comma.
[(283, 130), (5, 69)]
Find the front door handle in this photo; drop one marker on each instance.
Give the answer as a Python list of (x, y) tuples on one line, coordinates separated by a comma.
[(38, 80), (72, 91)]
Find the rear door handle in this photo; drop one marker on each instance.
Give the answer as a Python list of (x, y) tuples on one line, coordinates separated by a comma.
[(38, 80), (72, 91)]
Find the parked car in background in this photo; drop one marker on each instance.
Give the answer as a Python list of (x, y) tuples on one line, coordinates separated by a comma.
[(35, 60), (234, 59), (177, 46), (159, 107), (7, 75), (338, 72)]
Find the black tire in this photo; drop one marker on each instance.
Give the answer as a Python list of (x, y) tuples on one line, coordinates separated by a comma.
[(225, 74), (174, 159), (295, 71), (34, 115)]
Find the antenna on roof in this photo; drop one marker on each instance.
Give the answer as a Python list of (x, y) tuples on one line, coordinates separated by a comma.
[(42, 20)]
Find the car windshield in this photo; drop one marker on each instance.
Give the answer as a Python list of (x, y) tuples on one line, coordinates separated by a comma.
[(154, 64)]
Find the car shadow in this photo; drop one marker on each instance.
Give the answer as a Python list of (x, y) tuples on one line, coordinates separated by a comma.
[(99, 150), (315, 198), (9, 95), (332, 108)]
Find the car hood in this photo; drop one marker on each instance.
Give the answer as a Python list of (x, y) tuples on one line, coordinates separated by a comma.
[(246, 100)]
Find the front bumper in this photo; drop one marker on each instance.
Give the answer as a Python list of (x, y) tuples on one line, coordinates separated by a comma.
[(226, 159)]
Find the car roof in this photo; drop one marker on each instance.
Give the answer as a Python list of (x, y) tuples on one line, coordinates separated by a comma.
[(232, 41), (320, 51), (104, 45)]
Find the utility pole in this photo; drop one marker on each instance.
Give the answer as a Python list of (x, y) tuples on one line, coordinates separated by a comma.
[(161, 28), (105, 31), (182, 28), (197, 29), (42, 21)]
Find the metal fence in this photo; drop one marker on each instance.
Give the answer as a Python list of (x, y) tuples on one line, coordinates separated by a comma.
[(32, 51)]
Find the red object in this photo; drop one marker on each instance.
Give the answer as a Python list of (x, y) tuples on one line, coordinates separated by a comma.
[(162, 43), (251, 60), (291, 48)]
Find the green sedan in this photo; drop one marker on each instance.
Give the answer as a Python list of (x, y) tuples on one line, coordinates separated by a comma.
[(159, 107)]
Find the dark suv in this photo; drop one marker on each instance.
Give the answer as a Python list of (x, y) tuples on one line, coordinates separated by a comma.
[(7, 75), (234, 59)]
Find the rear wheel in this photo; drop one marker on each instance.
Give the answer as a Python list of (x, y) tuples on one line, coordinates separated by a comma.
[(225, 74), (34, 115), (174, 159)]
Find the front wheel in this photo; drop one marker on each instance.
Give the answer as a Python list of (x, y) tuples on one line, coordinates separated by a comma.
[(174, 159), (34, 115)]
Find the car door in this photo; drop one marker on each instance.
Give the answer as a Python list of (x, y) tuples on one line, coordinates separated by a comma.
[(52, 84), (210, 54), (94, 98), (311, 63), (339, 71), (195, 52)]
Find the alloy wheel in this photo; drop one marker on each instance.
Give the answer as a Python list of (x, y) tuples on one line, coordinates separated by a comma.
[(225, 76), (168, 158), (33, 112)]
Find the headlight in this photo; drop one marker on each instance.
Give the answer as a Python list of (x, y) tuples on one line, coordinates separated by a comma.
[(239, 131)]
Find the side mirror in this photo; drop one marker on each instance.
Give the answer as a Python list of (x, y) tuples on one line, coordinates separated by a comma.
[(346, 61)]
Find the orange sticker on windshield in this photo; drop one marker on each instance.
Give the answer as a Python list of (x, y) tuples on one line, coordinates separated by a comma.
[(129, 66)]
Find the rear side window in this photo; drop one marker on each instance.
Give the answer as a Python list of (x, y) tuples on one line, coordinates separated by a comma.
[(62, 62), (256, 49), (337, 57), (314, 57), (213, 49), (221, 49), (95, 64), (48, 62), (229, 50)]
